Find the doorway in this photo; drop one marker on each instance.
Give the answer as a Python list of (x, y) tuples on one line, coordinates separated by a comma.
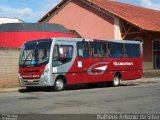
[(156, 54)]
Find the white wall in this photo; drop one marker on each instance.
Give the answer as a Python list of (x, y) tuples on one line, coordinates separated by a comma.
[(10, 20), (117, 32)]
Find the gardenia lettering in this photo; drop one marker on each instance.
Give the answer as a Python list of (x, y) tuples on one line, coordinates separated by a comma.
[(123, 63)]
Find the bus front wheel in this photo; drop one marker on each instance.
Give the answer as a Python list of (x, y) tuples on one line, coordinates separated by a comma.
[(116, 81), (59, 84)]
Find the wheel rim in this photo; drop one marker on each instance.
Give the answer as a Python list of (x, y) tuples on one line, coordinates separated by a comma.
[(59, 84), (116, 81)]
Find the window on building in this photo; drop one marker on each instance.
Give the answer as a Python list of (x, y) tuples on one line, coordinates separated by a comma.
[(116, 50), (98, 50), (156, 45), (156, 54), (82, 49), (132, 50)]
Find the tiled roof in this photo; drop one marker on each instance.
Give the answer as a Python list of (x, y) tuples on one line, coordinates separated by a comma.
[(146, 19)]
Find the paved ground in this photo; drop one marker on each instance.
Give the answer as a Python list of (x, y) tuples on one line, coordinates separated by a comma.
[(141, 96), (14, 88)]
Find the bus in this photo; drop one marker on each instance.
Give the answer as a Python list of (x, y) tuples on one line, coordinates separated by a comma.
[(59, 62)]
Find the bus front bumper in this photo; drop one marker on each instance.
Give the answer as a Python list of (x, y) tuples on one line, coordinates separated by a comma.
[(43, 81)]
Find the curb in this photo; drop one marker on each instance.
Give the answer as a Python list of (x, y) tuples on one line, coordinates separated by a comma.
[(6, 90), (142, 81), (129, 82)]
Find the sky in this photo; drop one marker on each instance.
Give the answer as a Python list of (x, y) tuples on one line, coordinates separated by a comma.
[(33, 10)]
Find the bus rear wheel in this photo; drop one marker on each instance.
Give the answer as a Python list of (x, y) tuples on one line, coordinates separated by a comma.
[(59, 84), (116, 81)]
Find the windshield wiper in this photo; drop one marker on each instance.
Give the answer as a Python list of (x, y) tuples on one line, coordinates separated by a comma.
[(27, 57), (29, 54)]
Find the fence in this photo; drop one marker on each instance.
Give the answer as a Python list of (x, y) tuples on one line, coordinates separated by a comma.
[(9, 67)]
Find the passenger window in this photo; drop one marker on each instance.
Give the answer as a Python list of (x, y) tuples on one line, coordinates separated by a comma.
[(62, 54), (55, 52), (116, 50), (66, 52), (82, 49), (132, 50), (56, 61), (98, 50)]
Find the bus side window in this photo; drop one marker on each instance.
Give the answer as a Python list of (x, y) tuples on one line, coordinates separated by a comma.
[(55, 52), (116, 50), (132, 50), (56, 56), (66, 52), (62, 54), (82, 49), (98, 50)]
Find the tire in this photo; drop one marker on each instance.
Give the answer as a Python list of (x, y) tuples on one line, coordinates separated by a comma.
[(59, 84), (116, 81)]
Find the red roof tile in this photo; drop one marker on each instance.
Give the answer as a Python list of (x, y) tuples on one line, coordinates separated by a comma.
[(146, 19)]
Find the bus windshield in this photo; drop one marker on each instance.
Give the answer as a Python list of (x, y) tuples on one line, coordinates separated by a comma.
[(35, 54)]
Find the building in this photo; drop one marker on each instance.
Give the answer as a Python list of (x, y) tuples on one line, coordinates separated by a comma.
[(4, 20), (13, 36), (111, 20)]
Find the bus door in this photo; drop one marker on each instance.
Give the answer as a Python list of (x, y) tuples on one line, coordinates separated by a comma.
[(64, 56), (82, 60)]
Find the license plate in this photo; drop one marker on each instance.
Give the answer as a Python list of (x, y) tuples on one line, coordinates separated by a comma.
[(30, 80)]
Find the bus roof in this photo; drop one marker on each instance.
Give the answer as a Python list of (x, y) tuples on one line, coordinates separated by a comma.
[(95, 40), (87, 40)]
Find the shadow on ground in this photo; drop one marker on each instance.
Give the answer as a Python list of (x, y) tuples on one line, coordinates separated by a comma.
[(75, 87)]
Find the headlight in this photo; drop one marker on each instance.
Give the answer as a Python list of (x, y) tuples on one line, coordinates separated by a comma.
[(45, 72)]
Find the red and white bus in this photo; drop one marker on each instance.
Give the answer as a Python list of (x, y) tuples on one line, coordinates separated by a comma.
[(59, 62)]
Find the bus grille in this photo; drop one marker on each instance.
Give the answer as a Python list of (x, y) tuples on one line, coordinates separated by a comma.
[(31, 71), (34, 82)]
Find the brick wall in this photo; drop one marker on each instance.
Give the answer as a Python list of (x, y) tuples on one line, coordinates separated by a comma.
[(9, 67)]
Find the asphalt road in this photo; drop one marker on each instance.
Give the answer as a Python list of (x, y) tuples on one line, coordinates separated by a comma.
[(134, 98)]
